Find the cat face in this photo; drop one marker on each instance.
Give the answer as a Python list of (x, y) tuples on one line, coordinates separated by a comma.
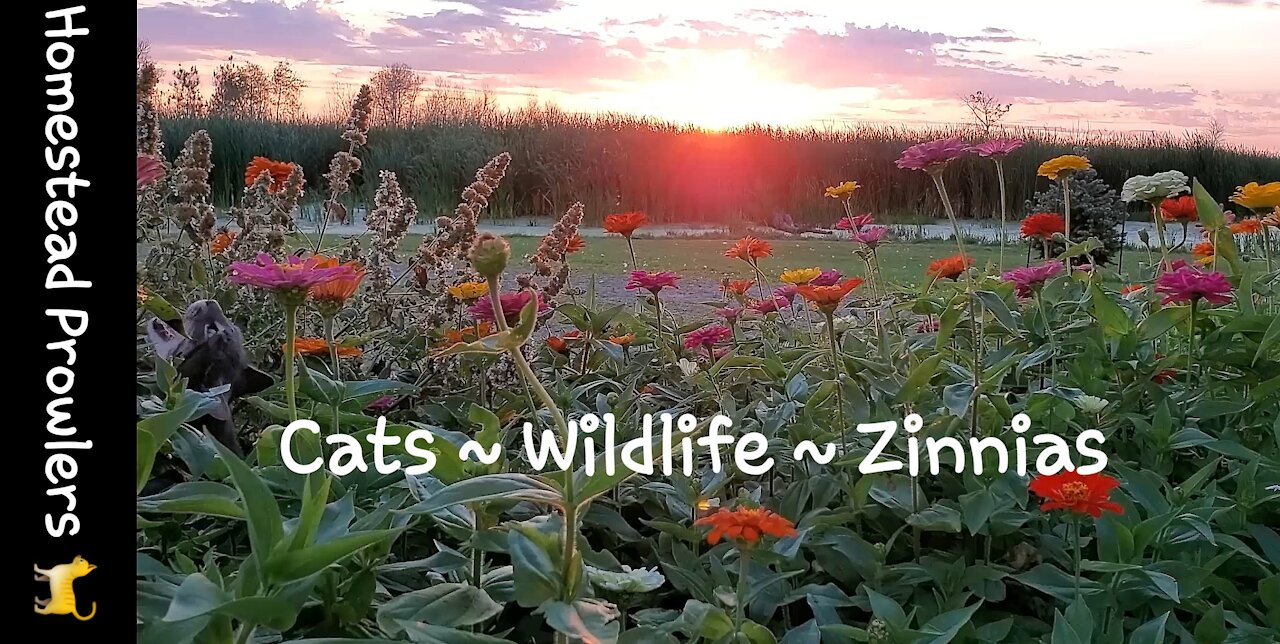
[(81, 566)]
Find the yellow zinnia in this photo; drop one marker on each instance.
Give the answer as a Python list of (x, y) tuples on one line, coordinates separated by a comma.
[(842, 191), (1066, 164), (469, 290), (800, 275), (1258, 197)]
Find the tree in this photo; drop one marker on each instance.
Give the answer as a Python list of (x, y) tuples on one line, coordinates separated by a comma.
[(284, 92), (987, 111), (240, 90), (395, 90), (148, 73), (1096, 211), (185, 98)]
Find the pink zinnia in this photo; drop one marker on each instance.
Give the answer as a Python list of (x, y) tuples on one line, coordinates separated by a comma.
[(706, 337), (1028, 279), (652, 282), (150, 170), (932, 156), (829, 277), (770, 305), (1187, 284), (871, 235), (855, 222), (997, 147), (381, 404), (929, 325), (512, 305), (787, 292), (297, 274), (729, 313)]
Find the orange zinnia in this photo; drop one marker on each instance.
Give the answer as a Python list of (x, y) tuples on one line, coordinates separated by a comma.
[(482, 329), (337, 292), (625, 224), (318, 347), (279, 171), (746, 525), (623, 340), (221, 242), (1043, 225), (1179, 209), (575, 244), (1132, 288), (558, 345), (749, 249), (949, 267), (1079, 493), (828, 298), (738, 286), (1247, 227)]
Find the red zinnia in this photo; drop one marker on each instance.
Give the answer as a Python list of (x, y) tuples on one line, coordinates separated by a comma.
[(1079, 493), (746, 525), (749, 249), (279, 171), (1043, 225), (1179, 209), (625, 224), (574, 244), (828, 298), (739, 287), (949, 267), (558, 345)]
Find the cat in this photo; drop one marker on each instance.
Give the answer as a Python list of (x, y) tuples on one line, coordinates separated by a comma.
[(63, 599)]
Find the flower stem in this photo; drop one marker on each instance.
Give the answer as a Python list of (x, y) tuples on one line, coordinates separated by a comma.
[(1191, 355), (739, 606), (1004, 206), (836, 371), (1066, 205), (290, 331), (1048, 331), (1075, 523), (1164, 246), (337, 374)]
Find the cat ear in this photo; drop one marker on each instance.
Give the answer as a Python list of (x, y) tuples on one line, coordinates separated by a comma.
[(166, 341), (251, 381)]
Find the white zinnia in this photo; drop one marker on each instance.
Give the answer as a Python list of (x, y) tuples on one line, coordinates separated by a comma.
[(638, 580), (1091, 404), (687, 366), (1153, 187)]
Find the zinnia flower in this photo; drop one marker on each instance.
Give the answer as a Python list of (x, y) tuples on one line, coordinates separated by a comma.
[(381, 404), (929, 325), (855, 222), (625, 224), (638, 580), (652, 282), (468, 333), (1028, 280), (1187, 284), (949, 267), (997, 147), (1246, 227), (842, 191), (746, 526), (279, 171), (574, 244), (318, 347), (1181, 209), (1258, 197), (293, 276), (512, 305), (559, 345), (749, 249), (1203, 250), (828, 298), (1090, 404), (1154, 187), (738, 287), (1132, 288), (932, 156), (1065, 165), (871, 235), (221, 242), (729, 313), (337, 291), (800, 275), (1043, 225), (769, 305), (787, 292), (829, 277), (150, 170), (624, 340), (467, 291), (1082, 494), (706, 337)]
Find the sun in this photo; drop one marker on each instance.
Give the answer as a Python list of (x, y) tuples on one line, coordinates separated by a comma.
[(721, 90)]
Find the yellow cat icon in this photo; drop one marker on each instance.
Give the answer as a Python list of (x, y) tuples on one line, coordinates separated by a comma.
[(63, 600)]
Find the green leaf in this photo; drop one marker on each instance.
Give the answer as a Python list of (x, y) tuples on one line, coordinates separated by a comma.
[(431, 634), (195, 497), (266, 526), (1050, 580), (450, 605), (919, 378), (995, 304), (945, 627), (589, 620), (537, 578), (1151, 632), (313, 502), (146, 448), (289, 565), (884, 607), (1212, 627), (1269, 339), (490, 487), (1161, 322), (1112, 317), (503, 341), (198, 596)]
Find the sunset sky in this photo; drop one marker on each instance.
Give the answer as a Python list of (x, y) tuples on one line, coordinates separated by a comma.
[(1088, 64)]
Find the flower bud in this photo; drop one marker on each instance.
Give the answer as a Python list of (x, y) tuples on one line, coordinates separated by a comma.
[(489, 255), (1143, 236)]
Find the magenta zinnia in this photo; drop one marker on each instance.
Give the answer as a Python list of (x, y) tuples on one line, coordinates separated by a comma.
[(772, 304), (296, 274), (829, 277), (652, 282), (787, 292), (707, 337), (150, 170), (1028, 280), (855, 222), (512, 305), (871, 235), (997, 147), (932, 156), (1187, 284)]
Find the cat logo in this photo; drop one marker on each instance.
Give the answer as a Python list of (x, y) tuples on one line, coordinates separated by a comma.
[(63, 599)]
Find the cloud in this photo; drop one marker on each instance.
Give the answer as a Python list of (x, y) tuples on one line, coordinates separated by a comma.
[(307, 31)]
